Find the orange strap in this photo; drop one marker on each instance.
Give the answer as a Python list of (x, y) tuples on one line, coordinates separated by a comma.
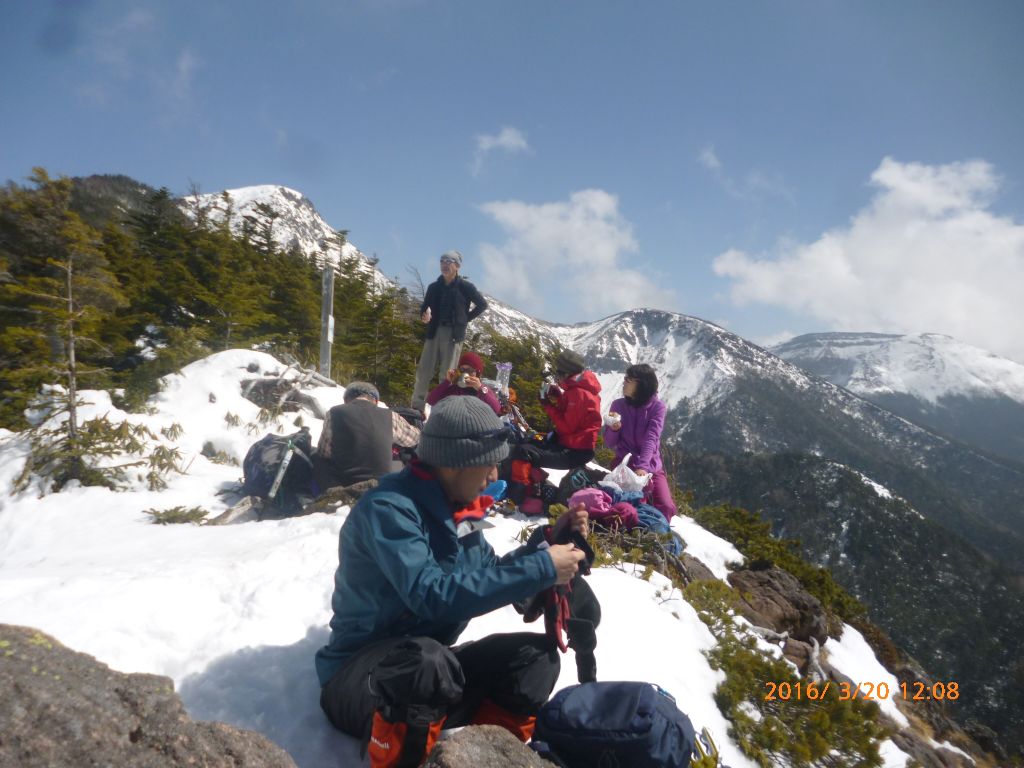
[(520, 726)]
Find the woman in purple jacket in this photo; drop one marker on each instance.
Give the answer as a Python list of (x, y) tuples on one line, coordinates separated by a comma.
[(637, 430)]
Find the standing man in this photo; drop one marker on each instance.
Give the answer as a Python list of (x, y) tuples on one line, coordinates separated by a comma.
[(450, 303), (407, 585)]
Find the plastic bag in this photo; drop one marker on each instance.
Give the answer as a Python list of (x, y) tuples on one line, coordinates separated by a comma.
[(626, 478)]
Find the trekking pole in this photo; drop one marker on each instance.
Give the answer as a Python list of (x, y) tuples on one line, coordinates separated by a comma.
[(707, 755), (289, 452)]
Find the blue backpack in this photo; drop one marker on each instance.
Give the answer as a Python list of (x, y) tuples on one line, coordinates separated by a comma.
[(620, 724)]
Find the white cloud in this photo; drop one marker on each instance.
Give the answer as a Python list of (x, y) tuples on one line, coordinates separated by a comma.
[(925, 255), (509, 140), (568, 259), (754, 185), (184, 75), (709, 159), (119, 43)]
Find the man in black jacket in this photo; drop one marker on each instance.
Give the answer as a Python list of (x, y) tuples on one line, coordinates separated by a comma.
[(451, 302)]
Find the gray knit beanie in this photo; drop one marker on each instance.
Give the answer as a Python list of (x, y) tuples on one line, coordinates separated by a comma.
[(454, 256), (463, 432), (360, 389)]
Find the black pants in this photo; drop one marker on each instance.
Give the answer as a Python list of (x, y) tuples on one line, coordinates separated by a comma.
[(429, 680), (552, 455)]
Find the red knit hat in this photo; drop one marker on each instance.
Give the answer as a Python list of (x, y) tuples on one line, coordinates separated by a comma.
[(472, 360)]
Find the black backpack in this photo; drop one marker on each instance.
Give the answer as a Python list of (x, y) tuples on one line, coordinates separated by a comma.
[(576, 480), (620, 724), (279, 469)]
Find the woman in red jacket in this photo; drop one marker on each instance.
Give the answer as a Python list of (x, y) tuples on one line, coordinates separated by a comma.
[(574, 406)]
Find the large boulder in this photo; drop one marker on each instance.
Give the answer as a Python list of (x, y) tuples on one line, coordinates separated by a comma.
[(773, 598), (695, 569), (483, 745), (61, 707)]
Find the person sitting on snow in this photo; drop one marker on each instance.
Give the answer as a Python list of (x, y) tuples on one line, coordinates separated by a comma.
[(574, 406), (465, 380), (407, 586), (634, 427), (356, 442)]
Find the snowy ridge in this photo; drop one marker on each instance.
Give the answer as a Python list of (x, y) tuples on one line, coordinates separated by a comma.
[(510, 322), (299, 224), (928, 366), (697, 362), (234, 614)]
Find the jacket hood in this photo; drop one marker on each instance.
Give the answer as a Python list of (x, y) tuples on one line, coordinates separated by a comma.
[(586, 380)]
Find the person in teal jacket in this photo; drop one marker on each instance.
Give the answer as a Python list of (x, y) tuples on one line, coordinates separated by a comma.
[(407, 585)]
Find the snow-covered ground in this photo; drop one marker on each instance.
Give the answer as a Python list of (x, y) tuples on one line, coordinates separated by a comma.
[(234, 614)]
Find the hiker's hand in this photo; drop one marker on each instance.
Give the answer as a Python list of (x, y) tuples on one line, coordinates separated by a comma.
[(452, 375), (566, 559), (473, 381), (574, 519), (425, 317)]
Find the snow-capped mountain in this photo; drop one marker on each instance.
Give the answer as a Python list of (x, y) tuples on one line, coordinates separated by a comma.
[(298, 223), (728, 395), (949, 386)]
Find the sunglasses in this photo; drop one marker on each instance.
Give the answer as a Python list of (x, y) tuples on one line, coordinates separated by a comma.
[(448, 261)]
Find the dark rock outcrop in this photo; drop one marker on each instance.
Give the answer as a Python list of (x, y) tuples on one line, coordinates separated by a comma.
[(928, 756), (696, 570), (61, 707), (773, 598)]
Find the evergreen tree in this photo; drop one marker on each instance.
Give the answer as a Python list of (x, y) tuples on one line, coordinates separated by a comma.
[(293, 303), (530, 364), (58, 299), (66, 293), (261, 225)]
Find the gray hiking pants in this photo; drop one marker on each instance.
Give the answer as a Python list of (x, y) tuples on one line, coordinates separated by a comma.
[(439, 355)]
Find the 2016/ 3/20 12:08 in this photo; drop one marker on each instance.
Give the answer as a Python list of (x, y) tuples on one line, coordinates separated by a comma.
[(916, 691)]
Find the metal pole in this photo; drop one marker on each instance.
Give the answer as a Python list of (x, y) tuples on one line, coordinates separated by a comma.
[(326, 319)]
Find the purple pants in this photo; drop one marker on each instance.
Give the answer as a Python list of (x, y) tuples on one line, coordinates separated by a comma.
[(659, 495)]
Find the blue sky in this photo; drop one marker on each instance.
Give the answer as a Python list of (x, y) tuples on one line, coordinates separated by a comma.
[(776, 167)]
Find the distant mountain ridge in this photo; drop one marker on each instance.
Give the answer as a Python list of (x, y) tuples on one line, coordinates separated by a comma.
[(953, 388), (729, 395), (298, 224)]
